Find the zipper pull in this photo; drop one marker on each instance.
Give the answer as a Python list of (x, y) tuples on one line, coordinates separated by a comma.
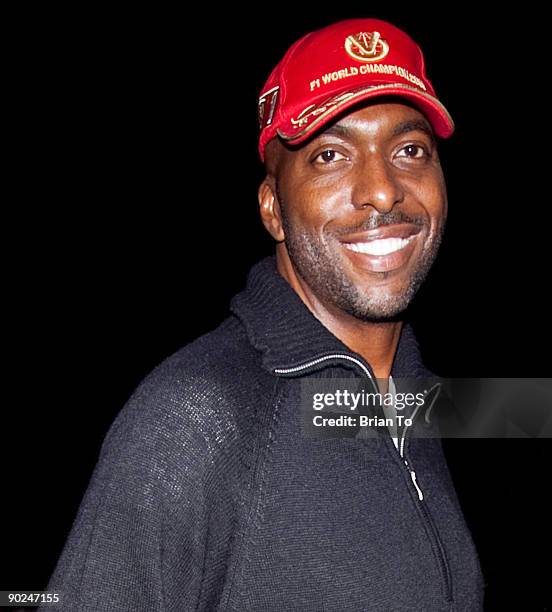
[(413, 476)]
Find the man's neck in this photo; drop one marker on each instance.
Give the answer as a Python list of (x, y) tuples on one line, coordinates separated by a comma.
[(375, 342)]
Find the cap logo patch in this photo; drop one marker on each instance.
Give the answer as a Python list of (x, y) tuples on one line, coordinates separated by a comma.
[(366, 46), (267, 106)]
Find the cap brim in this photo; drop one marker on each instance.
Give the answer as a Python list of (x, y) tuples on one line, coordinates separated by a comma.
[(437, 114)]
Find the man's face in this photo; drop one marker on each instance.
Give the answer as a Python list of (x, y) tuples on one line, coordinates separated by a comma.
[(361, 209)]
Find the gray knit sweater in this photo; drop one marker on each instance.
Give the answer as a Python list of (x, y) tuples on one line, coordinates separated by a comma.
[(207, 495)]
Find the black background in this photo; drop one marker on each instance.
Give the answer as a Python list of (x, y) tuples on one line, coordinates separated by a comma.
[(131, 221)]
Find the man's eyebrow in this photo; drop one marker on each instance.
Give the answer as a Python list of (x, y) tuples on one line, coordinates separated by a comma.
[(339, 130), (410, 125), (413, 125)]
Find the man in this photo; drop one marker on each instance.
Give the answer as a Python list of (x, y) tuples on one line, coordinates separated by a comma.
[(208, 494)]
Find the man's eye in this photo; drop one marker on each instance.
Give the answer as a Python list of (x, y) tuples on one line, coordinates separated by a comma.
[(328, 156), (413, 151)]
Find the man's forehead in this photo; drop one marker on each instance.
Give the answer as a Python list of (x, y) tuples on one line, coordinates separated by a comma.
[(394, 117)]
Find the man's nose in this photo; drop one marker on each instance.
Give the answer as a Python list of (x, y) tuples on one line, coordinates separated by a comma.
[(376, 184)]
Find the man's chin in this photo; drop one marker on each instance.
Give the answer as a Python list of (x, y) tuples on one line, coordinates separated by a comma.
[(377, 310)]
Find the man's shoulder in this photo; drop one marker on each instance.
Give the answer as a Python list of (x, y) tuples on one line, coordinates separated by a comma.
[(218, 361), (200, 397)]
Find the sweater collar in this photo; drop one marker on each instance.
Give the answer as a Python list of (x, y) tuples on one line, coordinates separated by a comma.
[(287, 334)]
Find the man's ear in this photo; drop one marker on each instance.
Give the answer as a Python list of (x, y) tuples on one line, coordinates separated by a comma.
[(269, 207)]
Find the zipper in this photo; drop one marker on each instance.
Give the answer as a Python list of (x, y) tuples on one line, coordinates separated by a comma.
[(415, 482), (440, 550), (428, 521), (401, 453), (314, 362), (370, 376)]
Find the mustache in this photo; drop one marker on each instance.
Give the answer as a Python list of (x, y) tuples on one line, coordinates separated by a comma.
[(380, 220)]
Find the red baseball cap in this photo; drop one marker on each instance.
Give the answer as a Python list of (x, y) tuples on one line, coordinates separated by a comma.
[(330, 70)]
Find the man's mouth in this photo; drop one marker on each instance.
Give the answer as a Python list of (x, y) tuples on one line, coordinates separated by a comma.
[(384, 249), (383, 246)]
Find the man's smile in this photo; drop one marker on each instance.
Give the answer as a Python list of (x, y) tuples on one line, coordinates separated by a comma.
[(382, 250)]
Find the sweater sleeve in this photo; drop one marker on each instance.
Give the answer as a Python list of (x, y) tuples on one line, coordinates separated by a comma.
[(138, 541)]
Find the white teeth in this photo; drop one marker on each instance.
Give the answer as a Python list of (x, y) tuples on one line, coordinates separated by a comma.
[(383, 246)]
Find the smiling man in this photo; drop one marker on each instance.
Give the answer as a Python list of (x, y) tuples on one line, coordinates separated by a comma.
[(209, 494), (358, 213)]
